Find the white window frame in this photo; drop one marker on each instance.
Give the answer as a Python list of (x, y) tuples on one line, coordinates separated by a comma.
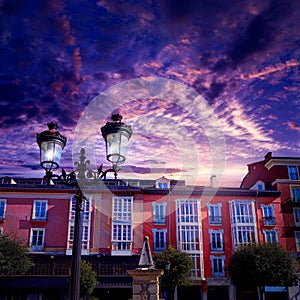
[(118, 212), (214, 214), (293, 175), (242, 212), (37, 247), (243, 222), (38, 212), (295, 193), (218, 259), (162, 237), (122, 231), (188, 211), (159, 212), (268, 214), (196, 259), (121, 239), (86, 225), (216, 237), (296, 212), (271, 236), (3, 203), (189, 232)]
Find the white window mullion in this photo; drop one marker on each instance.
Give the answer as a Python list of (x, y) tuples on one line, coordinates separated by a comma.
[(122, 232)]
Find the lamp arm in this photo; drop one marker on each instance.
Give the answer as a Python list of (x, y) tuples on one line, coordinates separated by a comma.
[(68, 179), (84, 172), (81, 173)]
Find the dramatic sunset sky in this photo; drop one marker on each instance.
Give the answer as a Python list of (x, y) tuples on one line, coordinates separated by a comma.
[(208, 86)]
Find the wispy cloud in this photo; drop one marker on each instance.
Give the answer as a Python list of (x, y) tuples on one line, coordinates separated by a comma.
[(271, 69), (293, 126)]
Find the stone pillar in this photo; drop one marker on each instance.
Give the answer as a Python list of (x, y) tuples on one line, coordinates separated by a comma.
[(145, 283)]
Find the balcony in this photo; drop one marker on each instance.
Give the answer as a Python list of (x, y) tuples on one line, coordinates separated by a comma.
[(60, 265), (215, 220), (217, 247), (36, 248), (218, 274), (159, 220), (121, 248), (269, 221)]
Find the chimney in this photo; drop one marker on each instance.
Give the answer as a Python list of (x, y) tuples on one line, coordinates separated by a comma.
[(212, 181), (268, 156)]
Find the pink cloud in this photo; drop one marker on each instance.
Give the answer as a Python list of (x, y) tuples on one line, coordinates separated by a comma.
[(293, 126), (273, 117)]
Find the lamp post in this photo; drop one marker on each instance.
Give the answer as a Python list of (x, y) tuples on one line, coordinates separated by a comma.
[(167, 268), (51, 144)]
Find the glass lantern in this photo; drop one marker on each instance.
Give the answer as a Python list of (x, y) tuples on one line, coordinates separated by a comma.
[(51, 144), (116, 135)]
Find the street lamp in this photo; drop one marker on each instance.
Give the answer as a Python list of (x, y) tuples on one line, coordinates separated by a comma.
[(51, 144)]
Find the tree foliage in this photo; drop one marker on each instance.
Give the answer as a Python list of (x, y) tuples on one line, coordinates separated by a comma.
[(263, 265), (13, 256), (88, 280), (180, 267)]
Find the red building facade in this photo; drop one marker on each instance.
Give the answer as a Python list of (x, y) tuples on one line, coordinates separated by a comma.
[(281, 174), (208, 223)]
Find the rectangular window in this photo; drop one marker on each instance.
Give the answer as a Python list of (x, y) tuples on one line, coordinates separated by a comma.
[(297, 216), (159, 213), (162, 185), (242, 212), (39, 210), (196, 265), (86, 209), (268, 214), (121, 240), (159, 239), (260, 187), (293, 173), (188, 211), (2, 208), (189, 238), (297, 238), (271, 236), (217, 266), (215, 214), (295, 192), (243, 222), (122, 209), (37, 239), (86, 220), (122, 237), (189, 231), (85, 237), (244, 235), (216, 240)]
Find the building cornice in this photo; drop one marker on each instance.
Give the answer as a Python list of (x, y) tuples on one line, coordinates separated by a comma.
[(282, 161), (285, 181)]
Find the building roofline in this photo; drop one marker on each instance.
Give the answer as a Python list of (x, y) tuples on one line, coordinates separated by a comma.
[(119, 186)]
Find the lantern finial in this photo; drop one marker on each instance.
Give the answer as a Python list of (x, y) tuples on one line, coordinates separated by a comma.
[(116, 117)]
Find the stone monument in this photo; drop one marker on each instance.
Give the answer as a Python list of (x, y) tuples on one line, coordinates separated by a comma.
[(145, 283)]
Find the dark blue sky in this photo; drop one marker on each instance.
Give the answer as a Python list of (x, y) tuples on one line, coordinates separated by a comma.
[(241, 56)]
